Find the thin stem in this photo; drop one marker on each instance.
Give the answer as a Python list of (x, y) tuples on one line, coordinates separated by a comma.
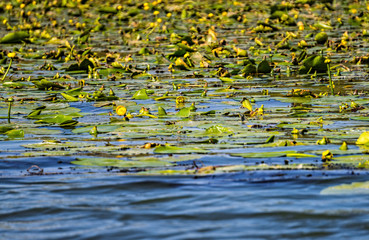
[(9, 110), (7, 70), (330, 79)]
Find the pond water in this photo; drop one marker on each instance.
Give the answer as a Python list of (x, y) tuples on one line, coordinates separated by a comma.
[(239, 206), (193, 120)]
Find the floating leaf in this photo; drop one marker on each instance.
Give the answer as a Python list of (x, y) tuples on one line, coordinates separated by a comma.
[(141, 95), (107, 162), (301, 155), (161, 111), (264, 67), (55, 144), (62, 120), (351, 159), (14, 37), (344, 146), (353, 188), (218, 129), (69, 97), (363, 139), (321, 37), (184, 112), (4, 129), (263, 154), (15, 133), (178, 150), (101, 129)]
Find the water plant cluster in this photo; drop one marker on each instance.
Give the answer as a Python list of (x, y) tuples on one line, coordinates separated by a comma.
[(186, 87)]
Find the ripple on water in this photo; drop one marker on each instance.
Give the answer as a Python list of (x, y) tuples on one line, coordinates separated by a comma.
[(83, 207)]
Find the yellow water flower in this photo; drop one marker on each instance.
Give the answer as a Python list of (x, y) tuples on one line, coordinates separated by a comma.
[(121, 110), (156, 13), (8, 7), (11, 55), (180, 99), (327, 155)]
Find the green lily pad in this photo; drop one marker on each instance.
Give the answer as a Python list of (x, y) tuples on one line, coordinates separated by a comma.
[(111, 162), (57, 145), (178, 150), (184, 112), (15, 37), (263, 154), (345, 189), (176, 158), (218, 129), (15, 133), (363, 139), (59, 119), (141, 95), (100, 129), (69, 97)]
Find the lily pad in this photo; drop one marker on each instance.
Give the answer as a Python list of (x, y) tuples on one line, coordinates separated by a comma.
[(345, 189), (141, 95), (110, 162), (15, 37), (178, 150), (264, 154)]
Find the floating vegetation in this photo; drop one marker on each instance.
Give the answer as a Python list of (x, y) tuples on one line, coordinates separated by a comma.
[(159, 88)]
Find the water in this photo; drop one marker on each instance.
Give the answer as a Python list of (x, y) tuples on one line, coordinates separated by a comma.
[(70, 199), (239, 206)]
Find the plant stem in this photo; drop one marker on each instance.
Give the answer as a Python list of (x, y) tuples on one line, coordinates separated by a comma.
[(7, 70), (9, 110), (330, 79)]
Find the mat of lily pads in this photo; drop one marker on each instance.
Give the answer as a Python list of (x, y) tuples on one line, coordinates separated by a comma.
[(188, 88)]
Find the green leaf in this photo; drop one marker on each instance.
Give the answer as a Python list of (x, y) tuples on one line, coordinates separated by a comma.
[(60, 119), (101, 129), (161, 111), (4, 129), (15, 133), (363, 139), (141, 95), (181, 150), (301, 155), (264, 67), (227, 79), (184, 112), (105, 162), (69, 97), (353, 188), (15, 37), (263, 154), (218, 129)]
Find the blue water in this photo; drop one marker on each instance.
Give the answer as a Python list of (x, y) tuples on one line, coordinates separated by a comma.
[(236, 206)]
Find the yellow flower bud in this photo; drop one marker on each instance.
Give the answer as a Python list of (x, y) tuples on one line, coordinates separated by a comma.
[(11, 54)]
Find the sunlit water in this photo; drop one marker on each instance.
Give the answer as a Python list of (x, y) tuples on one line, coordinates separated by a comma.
[(240, 206)]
